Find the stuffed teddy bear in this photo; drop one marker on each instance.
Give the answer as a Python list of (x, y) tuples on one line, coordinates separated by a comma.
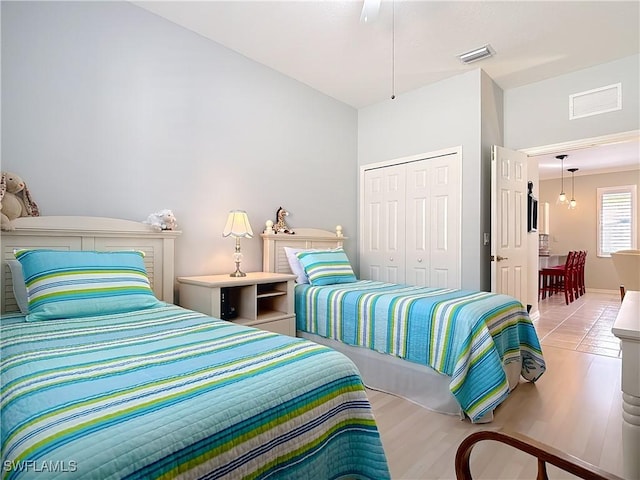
[(15, 200), (162, 220)]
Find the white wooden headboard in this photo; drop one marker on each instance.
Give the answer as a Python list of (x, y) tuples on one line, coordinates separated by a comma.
[(275, 260), (91, 233)]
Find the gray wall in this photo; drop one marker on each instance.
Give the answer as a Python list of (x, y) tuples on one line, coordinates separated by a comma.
[(109, 110), (438, 116), (538, 114), (466, 110), (577, 229), (492, 126)]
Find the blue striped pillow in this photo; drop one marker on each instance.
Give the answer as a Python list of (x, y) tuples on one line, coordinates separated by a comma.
[(326, 267), (71, 284)]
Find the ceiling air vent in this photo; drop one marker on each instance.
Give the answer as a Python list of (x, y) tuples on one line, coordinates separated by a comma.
[(477, 54), (596, 101)]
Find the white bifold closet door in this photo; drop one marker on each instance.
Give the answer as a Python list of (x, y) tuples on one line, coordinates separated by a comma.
[(383, 254), (411, 222)]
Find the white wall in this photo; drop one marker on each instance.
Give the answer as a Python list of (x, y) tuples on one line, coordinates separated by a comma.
[(435, 117), (109, 110)]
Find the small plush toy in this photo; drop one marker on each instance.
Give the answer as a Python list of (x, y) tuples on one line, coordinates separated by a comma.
[(281, 225), (162, 220), (15, 200)]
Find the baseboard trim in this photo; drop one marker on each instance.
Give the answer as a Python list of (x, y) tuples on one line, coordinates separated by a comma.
[(603, 290)]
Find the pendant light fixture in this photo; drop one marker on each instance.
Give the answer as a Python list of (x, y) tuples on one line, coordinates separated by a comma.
[(562, 198), (572, 203)]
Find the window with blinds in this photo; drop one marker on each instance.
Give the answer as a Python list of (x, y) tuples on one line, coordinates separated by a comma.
[(617, 217)]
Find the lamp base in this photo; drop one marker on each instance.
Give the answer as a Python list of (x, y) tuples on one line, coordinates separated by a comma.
[(238, 273)]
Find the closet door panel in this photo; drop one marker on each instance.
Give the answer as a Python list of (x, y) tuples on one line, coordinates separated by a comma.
[(418, 220), (440, 277), (445, 224), (382, 257), (373, 226)]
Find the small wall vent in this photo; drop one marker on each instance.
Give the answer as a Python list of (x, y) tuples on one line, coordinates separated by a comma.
[(596, 101)]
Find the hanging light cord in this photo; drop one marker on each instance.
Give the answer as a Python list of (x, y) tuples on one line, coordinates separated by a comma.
[(572, 189), (393, 49), (573, 202), (562, 197)]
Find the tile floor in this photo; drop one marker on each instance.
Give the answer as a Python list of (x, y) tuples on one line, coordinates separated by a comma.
[(584, 325)]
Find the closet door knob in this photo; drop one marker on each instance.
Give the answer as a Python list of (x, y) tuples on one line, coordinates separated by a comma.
[(391, 259), (419, 260)]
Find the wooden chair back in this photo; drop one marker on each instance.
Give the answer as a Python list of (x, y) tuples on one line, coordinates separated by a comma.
[(543, 452)]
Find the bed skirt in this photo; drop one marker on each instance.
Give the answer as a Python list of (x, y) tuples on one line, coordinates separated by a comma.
[(416, 383)]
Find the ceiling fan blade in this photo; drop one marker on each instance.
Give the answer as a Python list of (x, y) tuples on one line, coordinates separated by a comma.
[(370, 10)]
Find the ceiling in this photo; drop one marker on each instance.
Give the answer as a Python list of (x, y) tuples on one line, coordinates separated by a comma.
[(608, 157), (323, 43)]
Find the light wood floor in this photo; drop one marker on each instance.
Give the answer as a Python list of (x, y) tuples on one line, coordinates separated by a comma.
[(576, 406)]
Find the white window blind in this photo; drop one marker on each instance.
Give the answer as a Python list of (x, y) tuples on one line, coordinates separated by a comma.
[(617, 217)]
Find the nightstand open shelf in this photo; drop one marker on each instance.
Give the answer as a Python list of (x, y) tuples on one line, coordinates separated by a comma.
[(263, 300)]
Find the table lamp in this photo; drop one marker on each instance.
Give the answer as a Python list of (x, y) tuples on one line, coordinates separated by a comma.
[(237, 226)]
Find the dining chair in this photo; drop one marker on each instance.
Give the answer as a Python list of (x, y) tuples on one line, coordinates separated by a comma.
[(560, 278), (581, 288), (578, 269)]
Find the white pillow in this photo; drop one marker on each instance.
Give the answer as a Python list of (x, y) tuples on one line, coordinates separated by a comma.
[(294, 263), (19, 288)]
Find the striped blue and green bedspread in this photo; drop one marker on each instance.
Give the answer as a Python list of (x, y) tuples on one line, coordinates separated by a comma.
[(464, 334), (170, 393)]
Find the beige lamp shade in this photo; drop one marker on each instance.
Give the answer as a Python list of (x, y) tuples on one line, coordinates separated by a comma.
[(237, 225)]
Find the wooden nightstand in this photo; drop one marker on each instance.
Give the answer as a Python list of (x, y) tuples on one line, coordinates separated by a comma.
[(261, 299)]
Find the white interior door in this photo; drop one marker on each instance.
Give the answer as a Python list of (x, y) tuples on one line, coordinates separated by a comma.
[(383, 244), (509, 223)]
